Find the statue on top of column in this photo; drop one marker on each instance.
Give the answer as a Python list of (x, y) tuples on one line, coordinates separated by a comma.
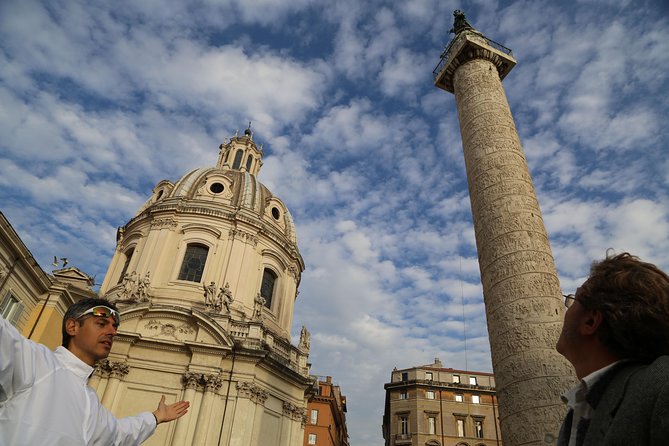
[(460, 22)]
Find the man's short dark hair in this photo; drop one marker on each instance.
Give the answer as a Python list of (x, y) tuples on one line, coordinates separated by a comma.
[(79, 307), (633, 297)]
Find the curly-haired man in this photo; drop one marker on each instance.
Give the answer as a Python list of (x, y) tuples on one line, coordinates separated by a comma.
[(616, 335)]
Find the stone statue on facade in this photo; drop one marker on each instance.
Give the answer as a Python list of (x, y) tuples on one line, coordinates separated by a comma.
[(258, 303), (225, 298), (210, 295), (143, 287), (305, 338), (130, 287)]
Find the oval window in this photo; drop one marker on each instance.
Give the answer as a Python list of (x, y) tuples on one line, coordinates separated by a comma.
[(275, 213), (217, 188)]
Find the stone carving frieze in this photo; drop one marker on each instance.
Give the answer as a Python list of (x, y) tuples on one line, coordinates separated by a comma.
[(169, 223), (135, 288), (158, 328), (245, 236)]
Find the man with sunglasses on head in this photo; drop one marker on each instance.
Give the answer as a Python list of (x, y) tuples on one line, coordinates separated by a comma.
[(44, 394), (616, 335)]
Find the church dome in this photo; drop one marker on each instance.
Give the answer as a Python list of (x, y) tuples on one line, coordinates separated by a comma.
[(228, 191), (230, 187)]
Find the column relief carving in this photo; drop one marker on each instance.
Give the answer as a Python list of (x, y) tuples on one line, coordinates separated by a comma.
[(253, 392), (294, 412)]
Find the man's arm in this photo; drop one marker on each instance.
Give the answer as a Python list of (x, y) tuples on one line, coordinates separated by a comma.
[(19, 360), (132, 431)]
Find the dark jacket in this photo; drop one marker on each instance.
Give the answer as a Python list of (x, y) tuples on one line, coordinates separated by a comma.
[(631, 407)]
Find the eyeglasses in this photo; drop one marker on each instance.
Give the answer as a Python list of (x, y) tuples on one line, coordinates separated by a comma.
[(102, 311), (569, 300)]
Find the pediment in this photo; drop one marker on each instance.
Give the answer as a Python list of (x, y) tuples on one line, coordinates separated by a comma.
[(174, 325), (74, 276)]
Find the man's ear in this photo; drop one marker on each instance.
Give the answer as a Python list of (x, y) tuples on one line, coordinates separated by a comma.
[(71, 327), (592, 319)]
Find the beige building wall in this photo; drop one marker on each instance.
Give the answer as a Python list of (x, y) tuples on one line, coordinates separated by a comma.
[(437, 406)]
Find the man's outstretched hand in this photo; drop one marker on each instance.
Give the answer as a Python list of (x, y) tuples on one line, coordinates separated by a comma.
[(169, 412)]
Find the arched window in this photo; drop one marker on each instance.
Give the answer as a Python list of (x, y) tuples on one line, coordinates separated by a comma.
[(267, 286), (193, 263), (249, 160), (238, 159), (128, 258)]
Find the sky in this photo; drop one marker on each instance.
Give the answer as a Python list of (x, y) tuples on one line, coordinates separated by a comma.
[(99, 101)]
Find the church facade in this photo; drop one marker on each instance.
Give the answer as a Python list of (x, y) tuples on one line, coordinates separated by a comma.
[(205, 276)]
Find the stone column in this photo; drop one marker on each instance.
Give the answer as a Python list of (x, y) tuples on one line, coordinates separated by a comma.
[(211, 385), (190, 381), (259, 397), (521, 291), (248, 395), (117, 371)]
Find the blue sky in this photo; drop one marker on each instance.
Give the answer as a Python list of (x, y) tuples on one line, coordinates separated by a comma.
[(101, 100)]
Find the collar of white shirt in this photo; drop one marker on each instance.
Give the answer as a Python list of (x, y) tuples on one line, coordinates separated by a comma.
[(74, 364)]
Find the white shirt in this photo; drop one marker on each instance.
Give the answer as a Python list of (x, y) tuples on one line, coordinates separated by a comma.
[(575, 399), (45, 400)]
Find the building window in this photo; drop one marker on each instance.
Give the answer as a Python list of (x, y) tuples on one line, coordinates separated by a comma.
[(478, 428), (472, 380), (314, 416), (193, 263), (476, 399), (456, 379), (267, 286), (460, 427), (238, 159), (404, 424), (429, 394), (312, 439), (428, 376), (249, 160), (405, 376), (11, 308), (403, 394), (458, 398), (431, 425), (128, 257)]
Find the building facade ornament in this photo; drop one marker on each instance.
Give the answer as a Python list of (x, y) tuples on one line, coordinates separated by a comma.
[(258, 304), (118, 369), (212, 382), (252, 391), (191, 380), (169, 223), (177, 332), (305, 339), (245, 236), (136, 288)]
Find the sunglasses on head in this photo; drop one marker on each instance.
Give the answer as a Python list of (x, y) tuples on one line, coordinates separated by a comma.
[(102, 311)]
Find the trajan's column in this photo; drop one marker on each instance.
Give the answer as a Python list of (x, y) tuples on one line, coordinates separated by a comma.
[(522, 294)]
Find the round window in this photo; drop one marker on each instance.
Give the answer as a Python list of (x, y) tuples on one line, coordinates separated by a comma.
[(160, 195), (275, 213), (216, 188)]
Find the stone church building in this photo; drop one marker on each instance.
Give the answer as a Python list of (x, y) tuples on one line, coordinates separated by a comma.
[(206, 276)]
